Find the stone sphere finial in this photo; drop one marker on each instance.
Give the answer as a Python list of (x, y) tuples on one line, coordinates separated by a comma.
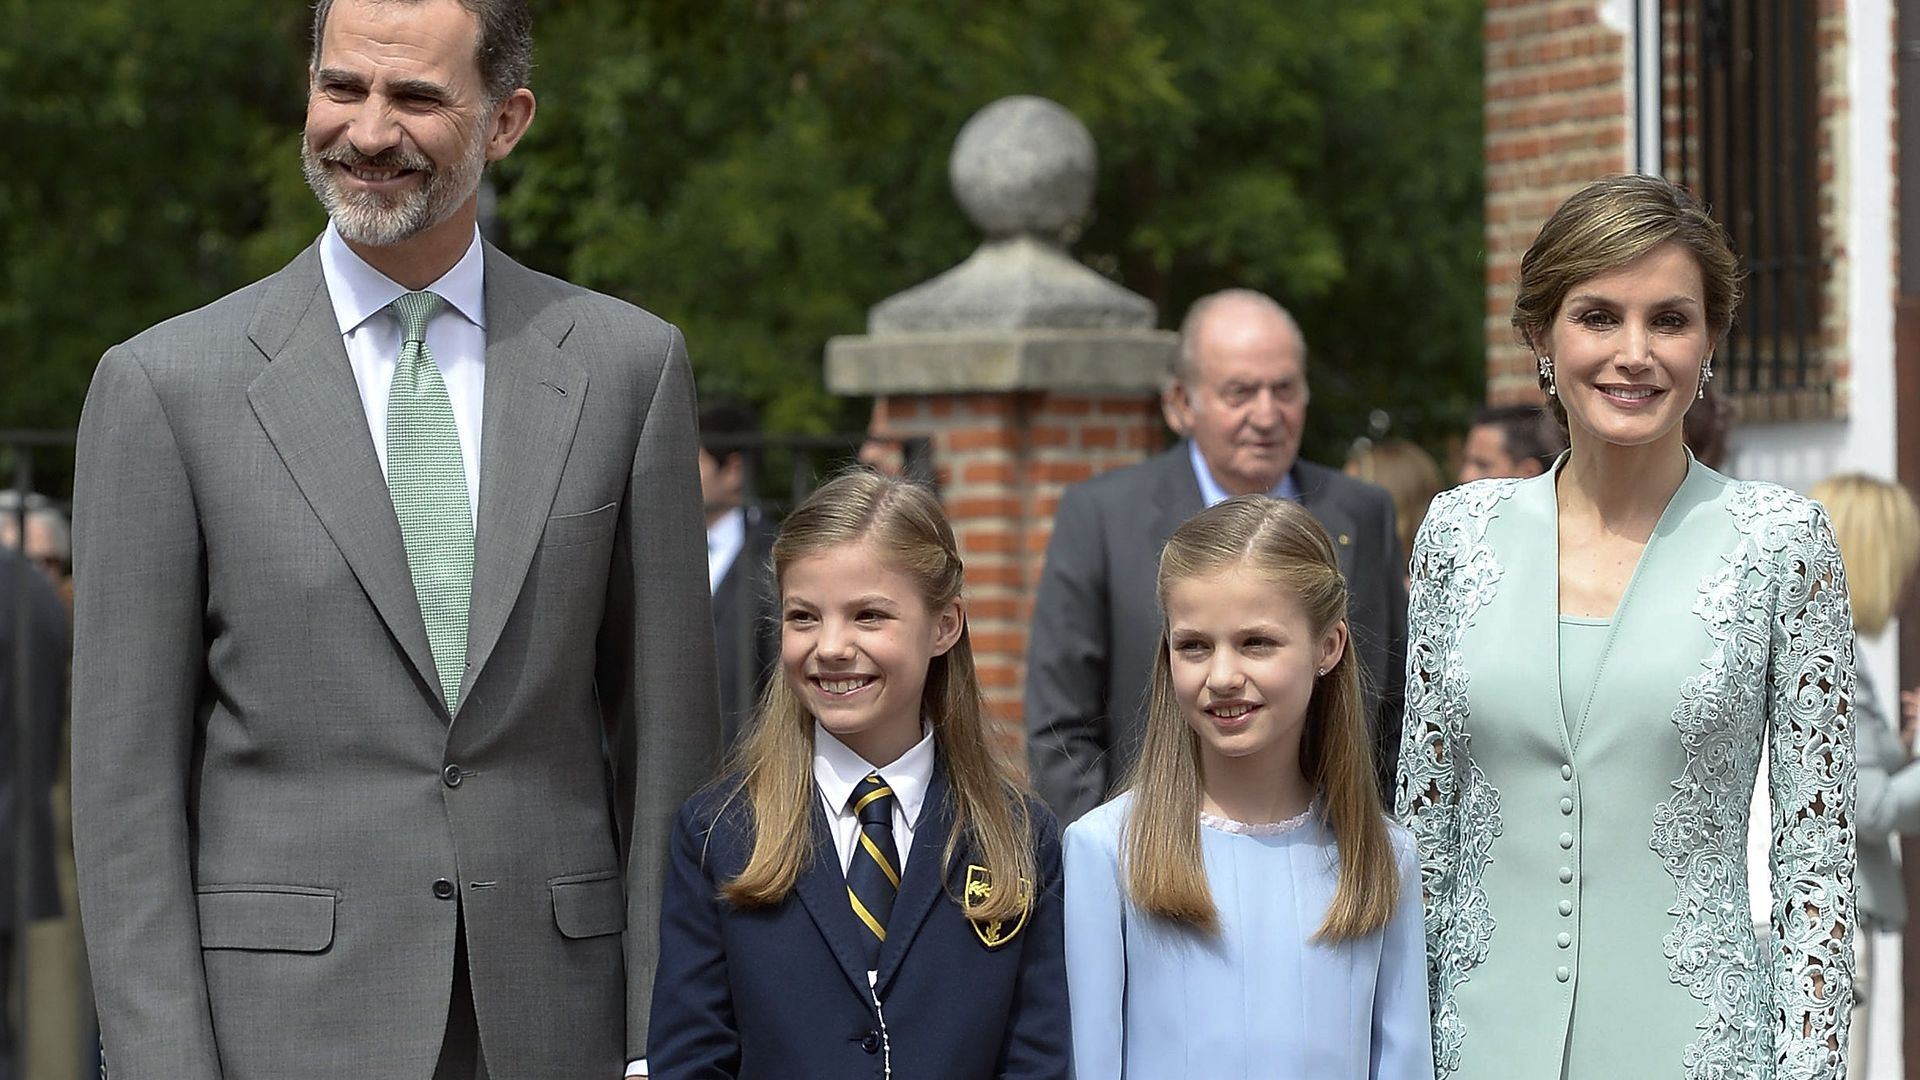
[(1024, 164)]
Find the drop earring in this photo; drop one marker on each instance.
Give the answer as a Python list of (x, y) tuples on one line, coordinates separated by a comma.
[(1706, 376), (1546, 375)]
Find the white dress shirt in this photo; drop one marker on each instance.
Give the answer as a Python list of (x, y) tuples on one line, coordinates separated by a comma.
[(837, 770), (457, 337), (725, 538)]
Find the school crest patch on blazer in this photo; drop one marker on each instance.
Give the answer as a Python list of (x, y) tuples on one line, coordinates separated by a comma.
[(994, 933)]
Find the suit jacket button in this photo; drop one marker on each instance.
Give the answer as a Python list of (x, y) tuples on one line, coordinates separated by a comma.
[(443, 889), (871, 1044), (451, 774)]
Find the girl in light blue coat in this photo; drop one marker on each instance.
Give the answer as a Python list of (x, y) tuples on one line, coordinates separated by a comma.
[(1245, 909)]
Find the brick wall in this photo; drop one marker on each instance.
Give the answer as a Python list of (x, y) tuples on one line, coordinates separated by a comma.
[(1556, 117), (1002, 460)]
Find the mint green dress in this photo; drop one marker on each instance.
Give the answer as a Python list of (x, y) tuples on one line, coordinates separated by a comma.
[(1583, 861)]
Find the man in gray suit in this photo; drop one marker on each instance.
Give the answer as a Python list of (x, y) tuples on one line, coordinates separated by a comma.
[(393, 653), (33, 678), (1240, 395)]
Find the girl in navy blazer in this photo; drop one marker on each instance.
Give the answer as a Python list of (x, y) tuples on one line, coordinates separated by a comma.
[(867, 891)]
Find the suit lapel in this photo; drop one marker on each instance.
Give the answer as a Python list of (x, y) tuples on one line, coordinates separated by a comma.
[(532, 407), (823, 892), (305, 399), (1177, 495), (924, 882), (1332, 516)]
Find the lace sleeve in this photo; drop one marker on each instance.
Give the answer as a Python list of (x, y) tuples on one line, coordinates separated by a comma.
[(1442, 796), (1811, 773)]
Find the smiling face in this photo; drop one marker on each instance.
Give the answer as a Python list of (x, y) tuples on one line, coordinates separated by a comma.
[(1243, 397), (399, 128), (1243, 658), (855, 642), (1627, 349)]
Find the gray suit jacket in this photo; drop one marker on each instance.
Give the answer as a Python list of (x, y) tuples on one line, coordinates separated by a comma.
[(1096, 620), (29, 603), (279, 827)]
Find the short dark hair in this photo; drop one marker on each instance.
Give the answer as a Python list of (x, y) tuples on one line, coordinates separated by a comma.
[(724, 422), (1528, 431), (505, 53)]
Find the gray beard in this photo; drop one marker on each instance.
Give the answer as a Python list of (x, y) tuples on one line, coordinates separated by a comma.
[(368, 219)]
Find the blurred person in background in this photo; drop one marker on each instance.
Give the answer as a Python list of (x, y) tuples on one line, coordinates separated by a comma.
[(746, 626), (1408, 473), (1708, 428), (1878, 527), (1510, 440), (49, 543), (37, 664)]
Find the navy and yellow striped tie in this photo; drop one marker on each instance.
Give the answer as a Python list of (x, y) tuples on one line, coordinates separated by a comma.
[(873, 874)]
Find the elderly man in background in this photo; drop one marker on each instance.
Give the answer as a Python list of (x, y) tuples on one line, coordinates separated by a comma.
[(1240, 396)]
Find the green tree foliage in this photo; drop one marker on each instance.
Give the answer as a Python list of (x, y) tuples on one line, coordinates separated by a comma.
[(763, 171)]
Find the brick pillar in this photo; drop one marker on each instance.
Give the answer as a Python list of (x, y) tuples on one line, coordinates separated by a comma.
[(1002, 459), (1556, 118)]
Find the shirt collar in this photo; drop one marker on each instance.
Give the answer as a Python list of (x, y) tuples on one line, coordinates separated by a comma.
[(838, 770), (1212, 494), (728, 532), (360, 292)]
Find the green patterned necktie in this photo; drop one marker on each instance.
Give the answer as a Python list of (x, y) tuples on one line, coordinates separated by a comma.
[(428, 480)]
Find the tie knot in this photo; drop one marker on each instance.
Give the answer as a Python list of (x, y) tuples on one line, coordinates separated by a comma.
[(873, 801), (415, 310)]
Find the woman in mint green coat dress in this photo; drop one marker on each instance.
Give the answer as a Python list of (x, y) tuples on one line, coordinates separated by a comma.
[(1596, 658)]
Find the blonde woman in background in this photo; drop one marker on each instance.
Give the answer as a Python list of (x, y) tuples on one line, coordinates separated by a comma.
[(1408, 473), (1878, 528)]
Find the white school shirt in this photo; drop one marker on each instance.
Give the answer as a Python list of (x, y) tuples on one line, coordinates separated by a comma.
[(725, 538), (457, 337)]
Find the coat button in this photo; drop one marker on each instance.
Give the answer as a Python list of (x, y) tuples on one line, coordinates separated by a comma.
[(443, 889), (1566, 875), (1565, 941), (1566, 805), (1566, 840), (871, 1044), (1563, 974), (1566, 907), (1566, 772), (451, 774)]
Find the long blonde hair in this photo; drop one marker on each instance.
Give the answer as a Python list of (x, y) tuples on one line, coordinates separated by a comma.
[(1166, 874), (774, 761), (1878, 529)]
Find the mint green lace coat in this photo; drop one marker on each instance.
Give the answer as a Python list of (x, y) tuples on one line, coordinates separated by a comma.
[(1586, 888)]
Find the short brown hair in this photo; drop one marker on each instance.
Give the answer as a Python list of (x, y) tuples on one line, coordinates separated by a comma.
[(1608, 224), (505, 52)]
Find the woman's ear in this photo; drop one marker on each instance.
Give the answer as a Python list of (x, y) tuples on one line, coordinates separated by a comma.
[(947, 626)]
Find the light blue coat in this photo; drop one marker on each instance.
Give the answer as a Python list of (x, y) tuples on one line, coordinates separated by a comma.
[(1584, 862)]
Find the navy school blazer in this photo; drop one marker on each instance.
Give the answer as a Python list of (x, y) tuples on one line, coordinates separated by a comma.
[(781, 991)]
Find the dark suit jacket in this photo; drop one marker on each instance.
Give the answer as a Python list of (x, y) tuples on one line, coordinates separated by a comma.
[(28, 602), (781, 992), (746, 625), (280, 828), (1096, 620)]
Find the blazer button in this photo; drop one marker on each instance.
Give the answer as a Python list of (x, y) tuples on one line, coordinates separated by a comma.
[(1566, 875), (1563, 974), (1565, 941), (1566, 805), (443, 889), (871, 1044), (1566, 772), (1566, 840), (451, 774), (1566, 907)]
